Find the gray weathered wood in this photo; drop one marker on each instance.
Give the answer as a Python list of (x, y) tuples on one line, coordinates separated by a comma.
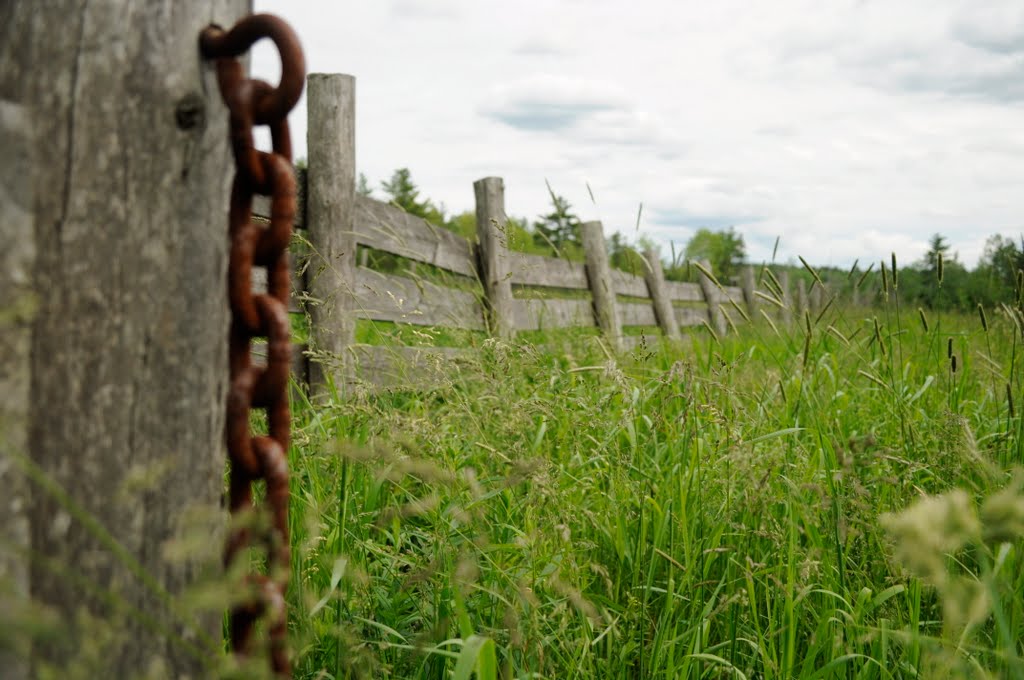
[(330, 215), (691, 316), (637, 314), (129, 358), (786, 313), (713, 296), (734, 293), (389, 228), (749, 288), (602, 287), (801, 297), (387, 297), (406, 367), (684, 292), (492, 253), (533, 315), (816, 298), (660, 296), (629, 284), (537, 270), (17, 264)]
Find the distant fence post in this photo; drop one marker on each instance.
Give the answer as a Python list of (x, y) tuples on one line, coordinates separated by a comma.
[(786, 313), (492, 253), (749, 288), (712, 296), (816, 297), (599, 276), (330, 214), (801, 297), (658, 291)]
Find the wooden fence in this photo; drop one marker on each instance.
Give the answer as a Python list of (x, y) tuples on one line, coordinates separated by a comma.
[(493, 288)]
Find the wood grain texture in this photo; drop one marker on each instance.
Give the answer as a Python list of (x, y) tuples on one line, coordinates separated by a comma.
[(537, 270), (492, 253), (655, 278), (330, 213), (713, 296), (17, 264), (749, 288), (637, 314), (406, 367), (129, 358), (602, 285), (629, 284), (684, 292), (387, 297), (786, 313), (692, 316), (535, 315), (389, 228)]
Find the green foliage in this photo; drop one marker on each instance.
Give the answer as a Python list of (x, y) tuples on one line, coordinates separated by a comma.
[(559, 230), (712, 510), (402, 191), (626, 257), (725, 251), (363, 186)]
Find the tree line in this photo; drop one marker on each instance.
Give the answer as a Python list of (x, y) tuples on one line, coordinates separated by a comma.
[(939, 281)]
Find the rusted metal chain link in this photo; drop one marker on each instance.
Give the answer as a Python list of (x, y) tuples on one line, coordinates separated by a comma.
[(253, 458)]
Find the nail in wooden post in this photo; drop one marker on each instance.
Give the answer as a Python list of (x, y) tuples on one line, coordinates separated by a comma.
[(786, 313), (330, 213), (747, 283), (492, 253), (599, 274), (658, 291), (712, 296)]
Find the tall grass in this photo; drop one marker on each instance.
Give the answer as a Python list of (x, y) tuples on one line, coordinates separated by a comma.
[(738, 507)]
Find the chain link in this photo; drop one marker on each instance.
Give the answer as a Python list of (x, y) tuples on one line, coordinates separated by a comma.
[(253, 458)]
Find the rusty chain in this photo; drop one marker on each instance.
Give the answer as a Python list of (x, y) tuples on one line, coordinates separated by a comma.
[(253, 458)]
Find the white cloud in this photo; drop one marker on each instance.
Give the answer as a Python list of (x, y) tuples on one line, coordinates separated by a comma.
[(849, 129), (549, 102)]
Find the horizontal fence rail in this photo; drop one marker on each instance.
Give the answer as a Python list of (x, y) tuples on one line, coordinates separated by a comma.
[(470, 286)]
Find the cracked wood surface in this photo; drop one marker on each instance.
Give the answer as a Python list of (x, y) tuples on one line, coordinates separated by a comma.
[(128, 356)]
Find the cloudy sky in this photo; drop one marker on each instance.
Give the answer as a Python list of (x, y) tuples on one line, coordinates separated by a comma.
[(847, 129)]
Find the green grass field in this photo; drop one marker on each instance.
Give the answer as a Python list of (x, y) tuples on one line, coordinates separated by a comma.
[(830, 500)]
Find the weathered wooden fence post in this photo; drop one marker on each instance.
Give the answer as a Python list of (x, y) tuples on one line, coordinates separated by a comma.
[(786, 313), (599, 276), (492, 253), (712, 296), (330, 217), (658, 291), (816, 297), (16, 270), (749, 288), (801, 297), (132, 170)]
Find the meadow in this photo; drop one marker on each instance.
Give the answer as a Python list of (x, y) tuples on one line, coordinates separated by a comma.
[(841, 498)]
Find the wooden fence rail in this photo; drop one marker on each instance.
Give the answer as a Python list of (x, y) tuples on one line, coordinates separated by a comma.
[(495, 289)]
